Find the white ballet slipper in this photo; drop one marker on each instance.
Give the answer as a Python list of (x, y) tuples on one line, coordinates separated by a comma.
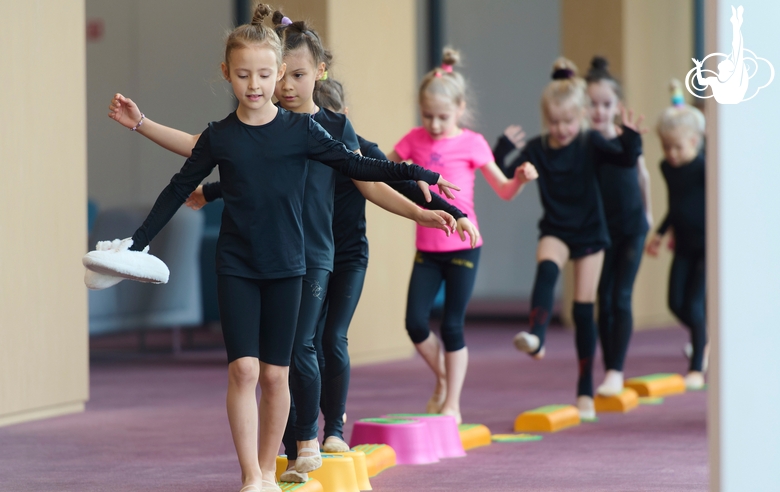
[(306, 464), (99, 281), (613, 384), (335, 445), (586, 408), (292, 475), (113, 258), (529, 343), (694, 381), (269, 486)]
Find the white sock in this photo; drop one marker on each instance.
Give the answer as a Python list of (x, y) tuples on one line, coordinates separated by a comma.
[(694, 380), (613, 383), (586, 407), (526, 342)]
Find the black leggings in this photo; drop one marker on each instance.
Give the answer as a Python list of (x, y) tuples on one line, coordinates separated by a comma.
[(305, 370), (686, 300), (616, 287), (458, 270), (259, 317), (343, 296)]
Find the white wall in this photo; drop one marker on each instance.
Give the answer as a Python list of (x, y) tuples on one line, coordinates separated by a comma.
[(743, 267), (508, 49), (165, 56)]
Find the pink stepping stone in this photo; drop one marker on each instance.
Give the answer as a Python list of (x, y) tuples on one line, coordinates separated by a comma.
[(411, 439), (444, 430)]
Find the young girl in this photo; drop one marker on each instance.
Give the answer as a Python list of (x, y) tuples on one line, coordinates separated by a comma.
[(262, 152), (681, 128), (305, 60), (573, 226), (625, 192), (442, 144)]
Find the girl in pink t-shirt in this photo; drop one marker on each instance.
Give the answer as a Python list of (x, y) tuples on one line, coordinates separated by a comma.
[(441, 144)]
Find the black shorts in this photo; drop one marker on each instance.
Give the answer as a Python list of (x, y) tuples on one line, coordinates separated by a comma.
[(580, 248), (259, 317)]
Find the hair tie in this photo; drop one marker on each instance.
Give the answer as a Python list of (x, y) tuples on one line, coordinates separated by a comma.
[(286, 21), (324, 75), (446, 67), (563, 74), (677, 96)]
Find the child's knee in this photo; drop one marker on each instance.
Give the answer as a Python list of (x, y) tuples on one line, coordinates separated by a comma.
[(274, 378), (453, 339), (418, 331), (244, 371)]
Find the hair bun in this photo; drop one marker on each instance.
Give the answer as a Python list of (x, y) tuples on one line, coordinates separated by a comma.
[(277, 17), (599, 63), (675, 89), (261, 12), (450, 56)]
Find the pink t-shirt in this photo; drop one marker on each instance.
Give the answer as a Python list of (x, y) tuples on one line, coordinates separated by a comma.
[(456, 159)]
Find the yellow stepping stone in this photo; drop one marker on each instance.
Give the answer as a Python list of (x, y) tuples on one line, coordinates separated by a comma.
[(625, 401), (379, 457), (657, 385), (311, 486), (361, 470), (337, 473), (474, 436), (550, 418)]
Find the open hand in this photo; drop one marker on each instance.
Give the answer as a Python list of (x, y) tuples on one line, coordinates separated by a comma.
[(124, 111), (526, 172), (465, 226), (516, 135), (196, 200), (444, 186), (629, 122), (437, 219)]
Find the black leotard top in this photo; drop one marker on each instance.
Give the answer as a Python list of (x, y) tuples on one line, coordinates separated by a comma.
[(624, 208), (686, 213), (569, 192), (349, 220), (263, 173)]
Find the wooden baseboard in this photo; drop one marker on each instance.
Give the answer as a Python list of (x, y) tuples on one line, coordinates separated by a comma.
[(41, 413)]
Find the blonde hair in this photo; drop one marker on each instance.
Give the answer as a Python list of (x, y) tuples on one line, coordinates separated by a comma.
[(680, 115), (254, 33), (445, 81), (566, 87)]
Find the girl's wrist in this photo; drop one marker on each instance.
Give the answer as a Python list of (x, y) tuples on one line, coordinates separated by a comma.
[(139, 124)]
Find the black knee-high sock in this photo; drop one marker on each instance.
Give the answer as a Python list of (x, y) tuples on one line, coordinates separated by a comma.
[(586, 346), (542, 298)]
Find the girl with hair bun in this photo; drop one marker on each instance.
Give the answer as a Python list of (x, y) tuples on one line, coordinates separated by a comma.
[(681, 128), (443, 145), (573, 226), (264, 154), (625, 192)]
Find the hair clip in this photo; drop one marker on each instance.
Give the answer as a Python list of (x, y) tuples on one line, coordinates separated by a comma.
[(446, 67), (286, 21), (324, 75), (562, 74)]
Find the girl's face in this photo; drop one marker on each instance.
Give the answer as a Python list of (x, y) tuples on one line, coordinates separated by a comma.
[(440, 116), (253, 73), (604, 105), (294, 90), (681, 146), (564, 121)]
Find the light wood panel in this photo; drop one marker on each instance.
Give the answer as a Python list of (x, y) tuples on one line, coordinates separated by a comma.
[(43, 305)]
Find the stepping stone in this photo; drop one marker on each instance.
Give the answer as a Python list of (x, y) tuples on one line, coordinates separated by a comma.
[(337, 474), (474, 436), (657, 385), (625, 401), (550, 418), (361, 470), (311, 486), (379, 457), (411, 440), (444, 430)]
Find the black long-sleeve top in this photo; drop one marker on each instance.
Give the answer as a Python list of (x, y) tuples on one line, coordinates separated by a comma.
[(349, 219), (263, 173), (624, 207), (568, 189), (686, 215)]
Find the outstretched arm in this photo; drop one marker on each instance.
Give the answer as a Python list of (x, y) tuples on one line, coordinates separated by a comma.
[(125, 112), (505, 188), (644, 186), (385, 197)]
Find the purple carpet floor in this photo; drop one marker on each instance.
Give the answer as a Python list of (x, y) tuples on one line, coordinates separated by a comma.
[(156, 422)]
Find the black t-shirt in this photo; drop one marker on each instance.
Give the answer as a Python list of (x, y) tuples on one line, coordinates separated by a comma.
[(263, 173), (622, 196), (569, 192), (349, 217), (687, 200)]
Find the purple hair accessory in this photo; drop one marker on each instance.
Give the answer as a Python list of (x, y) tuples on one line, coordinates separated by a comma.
[(286, 21), (563, 74)]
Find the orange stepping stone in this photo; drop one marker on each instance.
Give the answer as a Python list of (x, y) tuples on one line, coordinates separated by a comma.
[(550, 418), (474, 436), (311, 486), (337, 473), (361, 470), (625, 401), (654, 385), (379, 457)]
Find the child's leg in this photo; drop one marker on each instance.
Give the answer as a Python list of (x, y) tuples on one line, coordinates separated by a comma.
[(627, 267), (305, 383), (343, 296), (459, 276), (551, 254), (239, 305), (694, 306), (280, 303), (587, 271), (605, 292), (426, 278)]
